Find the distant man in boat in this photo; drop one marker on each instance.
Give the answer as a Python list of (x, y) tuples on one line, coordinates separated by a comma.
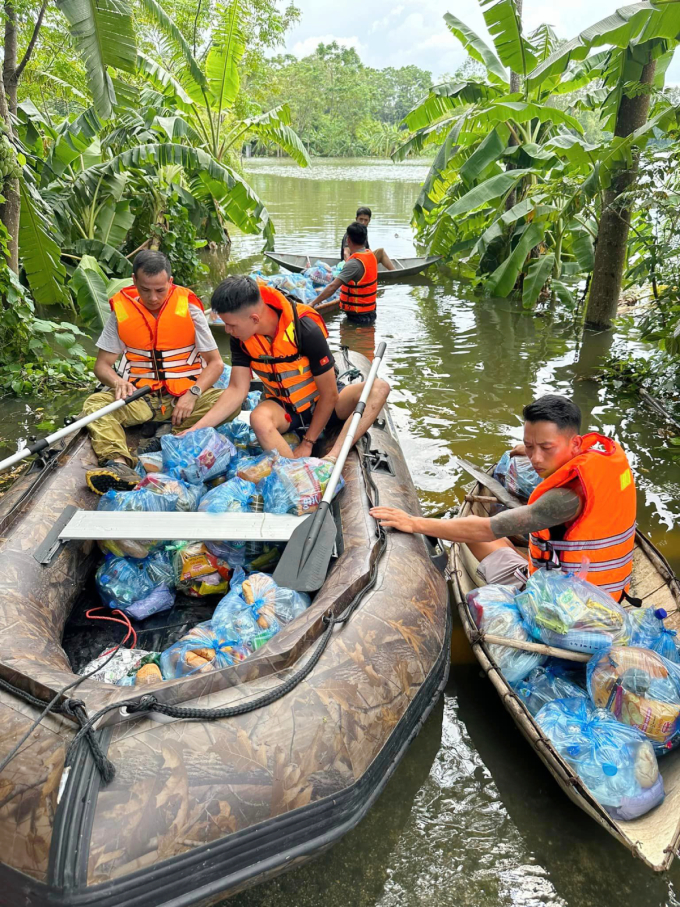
[(358, 280), (585, 507), (364, 217), (159, 332), (285, 344)]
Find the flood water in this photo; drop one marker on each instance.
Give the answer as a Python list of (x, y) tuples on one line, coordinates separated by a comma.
[(471, 817)]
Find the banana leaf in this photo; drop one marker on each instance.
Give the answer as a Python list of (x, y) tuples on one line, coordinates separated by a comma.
[(477, 49), (89, 284), (538, 272)]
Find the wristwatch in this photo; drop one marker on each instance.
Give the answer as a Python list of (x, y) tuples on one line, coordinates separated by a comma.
[(195, 390)]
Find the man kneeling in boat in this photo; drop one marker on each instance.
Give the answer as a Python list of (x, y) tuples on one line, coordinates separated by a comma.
[(162, 335), (284, 343), (584, 507), (358, 280)]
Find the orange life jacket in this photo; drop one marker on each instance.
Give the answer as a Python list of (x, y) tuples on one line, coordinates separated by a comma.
[(604, 530), (286, 374), (359, 296), (160, 352)]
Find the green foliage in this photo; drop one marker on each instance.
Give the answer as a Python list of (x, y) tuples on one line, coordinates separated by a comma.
[(177, 237)]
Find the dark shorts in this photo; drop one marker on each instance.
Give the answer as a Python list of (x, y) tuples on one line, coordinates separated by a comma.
[(358, 318), (301, 421)]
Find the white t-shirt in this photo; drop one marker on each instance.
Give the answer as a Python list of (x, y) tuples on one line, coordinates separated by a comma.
[(109, 339)]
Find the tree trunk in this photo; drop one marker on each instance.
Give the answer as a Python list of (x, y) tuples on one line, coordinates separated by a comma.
[(612, 237), (515, 87), (10, 210)]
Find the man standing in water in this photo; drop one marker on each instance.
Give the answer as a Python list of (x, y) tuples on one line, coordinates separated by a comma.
[(161, 335), (364, 217), (358, 280), (585, 507)]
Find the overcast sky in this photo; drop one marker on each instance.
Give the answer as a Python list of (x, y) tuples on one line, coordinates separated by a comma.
[(400, 32)]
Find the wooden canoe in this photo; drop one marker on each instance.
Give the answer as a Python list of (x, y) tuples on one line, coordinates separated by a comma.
[(405, 267), (654, 837), (199, 809), (326, 308)]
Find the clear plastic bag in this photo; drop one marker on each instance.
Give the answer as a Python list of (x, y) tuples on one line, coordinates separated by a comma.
[(544, 685), (256, 608), (233, 496), (297, 486), (223, 381), (204, 649), (139, 500), (140, 588), (188, 496), (197, 456), (112, 669), (238, 432), (501, 468), (521, 478), (255, 469), (198, 572), (320, 273), (151, 462), (616, 762), (566, 611), (641, 689), (494, 611), (650, 632), (252, 399)]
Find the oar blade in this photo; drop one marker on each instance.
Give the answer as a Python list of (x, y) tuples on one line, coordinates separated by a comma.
[(302, 568)]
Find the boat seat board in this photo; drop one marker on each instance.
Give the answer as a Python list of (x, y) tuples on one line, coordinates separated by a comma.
[(94, 525)]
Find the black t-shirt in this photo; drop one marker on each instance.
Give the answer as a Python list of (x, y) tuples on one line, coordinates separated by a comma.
[(313, 345), (344, 243)]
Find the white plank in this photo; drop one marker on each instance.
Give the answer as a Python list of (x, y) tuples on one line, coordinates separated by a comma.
[(206, 527)]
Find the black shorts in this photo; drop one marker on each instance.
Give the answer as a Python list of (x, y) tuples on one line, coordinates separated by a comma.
[(300, 422), (361, 317)]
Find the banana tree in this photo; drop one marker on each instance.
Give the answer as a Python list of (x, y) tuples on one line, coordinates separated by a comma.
[(514, 179)]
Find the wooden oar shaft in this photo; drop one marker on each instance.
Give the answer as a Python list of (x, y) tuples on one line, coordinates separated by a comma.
[(537, 647), (481, 499)]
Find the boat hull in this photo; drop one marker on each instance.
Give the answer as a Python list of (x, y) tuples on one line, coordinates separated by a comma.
[(198, 810), (405, 267)]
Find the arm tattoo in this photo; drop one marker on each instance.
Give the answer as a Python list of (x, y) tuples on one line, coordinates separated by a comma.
[(553, 508)]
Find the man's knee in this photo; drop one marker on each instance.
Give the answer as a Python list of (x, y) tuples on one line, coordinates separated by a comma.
[(97, 401), (381, 388), (261, 419)]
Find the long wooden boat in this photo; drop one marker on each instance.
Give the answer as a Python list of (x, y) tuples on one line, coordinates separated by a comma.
[(405, 267), (654, 837), (199, 809), (326, 308)]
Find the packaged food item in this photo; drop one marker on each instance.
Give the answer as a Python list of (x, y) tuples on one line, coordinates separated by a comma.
[(615, 762), (649, 632), (320, 273), (197, 572), (640, 688), (197, 456), (148, 674), (188, 496), (128, 547), (238, 432), (140, 588), (255, 469), (151, 462), (233, 496), (256, 608), (544, 684), (139, 500), (297, 486), (494, 611), (205, 648), (112, 669), (566, 611)]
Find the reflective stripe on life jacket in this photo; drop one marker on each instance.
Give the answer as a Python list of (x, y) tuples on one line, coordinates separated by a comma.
[(604, 530), (285, 373), (160, 352), (359, 296)]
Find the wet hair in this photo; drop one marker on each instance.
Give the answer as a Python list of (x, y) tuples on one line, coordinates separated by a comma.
[(235, 293), (365, 211), (358, 234), (561, 411), (151, 263)]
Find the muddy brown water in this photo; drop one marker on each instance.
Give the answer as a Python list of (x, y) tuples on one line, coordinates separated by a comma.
[(470, 817)]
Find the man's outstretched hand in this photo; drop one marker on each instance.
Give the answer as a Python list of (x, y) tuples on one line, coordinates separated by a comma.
[(392, 518)]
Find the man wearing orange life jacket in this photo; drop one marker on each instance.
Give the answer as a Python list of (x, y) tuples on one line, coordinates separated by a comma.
[(358, 280), (160, 334), (284, 343), (585, 507)]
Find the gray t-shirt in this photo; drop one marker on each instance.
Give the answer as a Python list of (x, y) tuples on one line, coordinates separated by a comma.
[(109, 339), (352, 270)]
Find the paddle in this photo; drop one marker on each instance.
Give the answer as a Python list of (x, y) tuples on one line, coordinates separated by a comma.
[(304, 563), (489, 482), (37, 446)]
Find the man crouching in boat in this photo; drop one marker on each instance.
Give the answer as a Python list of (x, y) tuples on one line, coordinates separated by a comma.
[(162, 335), (284, 343), (584, 507)]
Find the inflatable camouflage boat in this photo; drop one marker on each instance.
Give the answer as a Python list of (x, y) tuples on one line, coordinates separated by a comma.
[(200, 805)]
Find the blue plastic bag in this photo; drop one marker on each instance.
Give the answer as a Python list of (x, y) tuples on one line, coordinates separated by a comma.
[(223, 381), (204, 649), (197, 456), (566, 611), (521, 478), (494, 611), (256, 608), (296, 486), (544, 685), (501, 468), (233, 496), (140, 588), (650, 632), (616, 762), (252, 400), (238, 432), (139, 500), (320, 273), (188, 496)]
